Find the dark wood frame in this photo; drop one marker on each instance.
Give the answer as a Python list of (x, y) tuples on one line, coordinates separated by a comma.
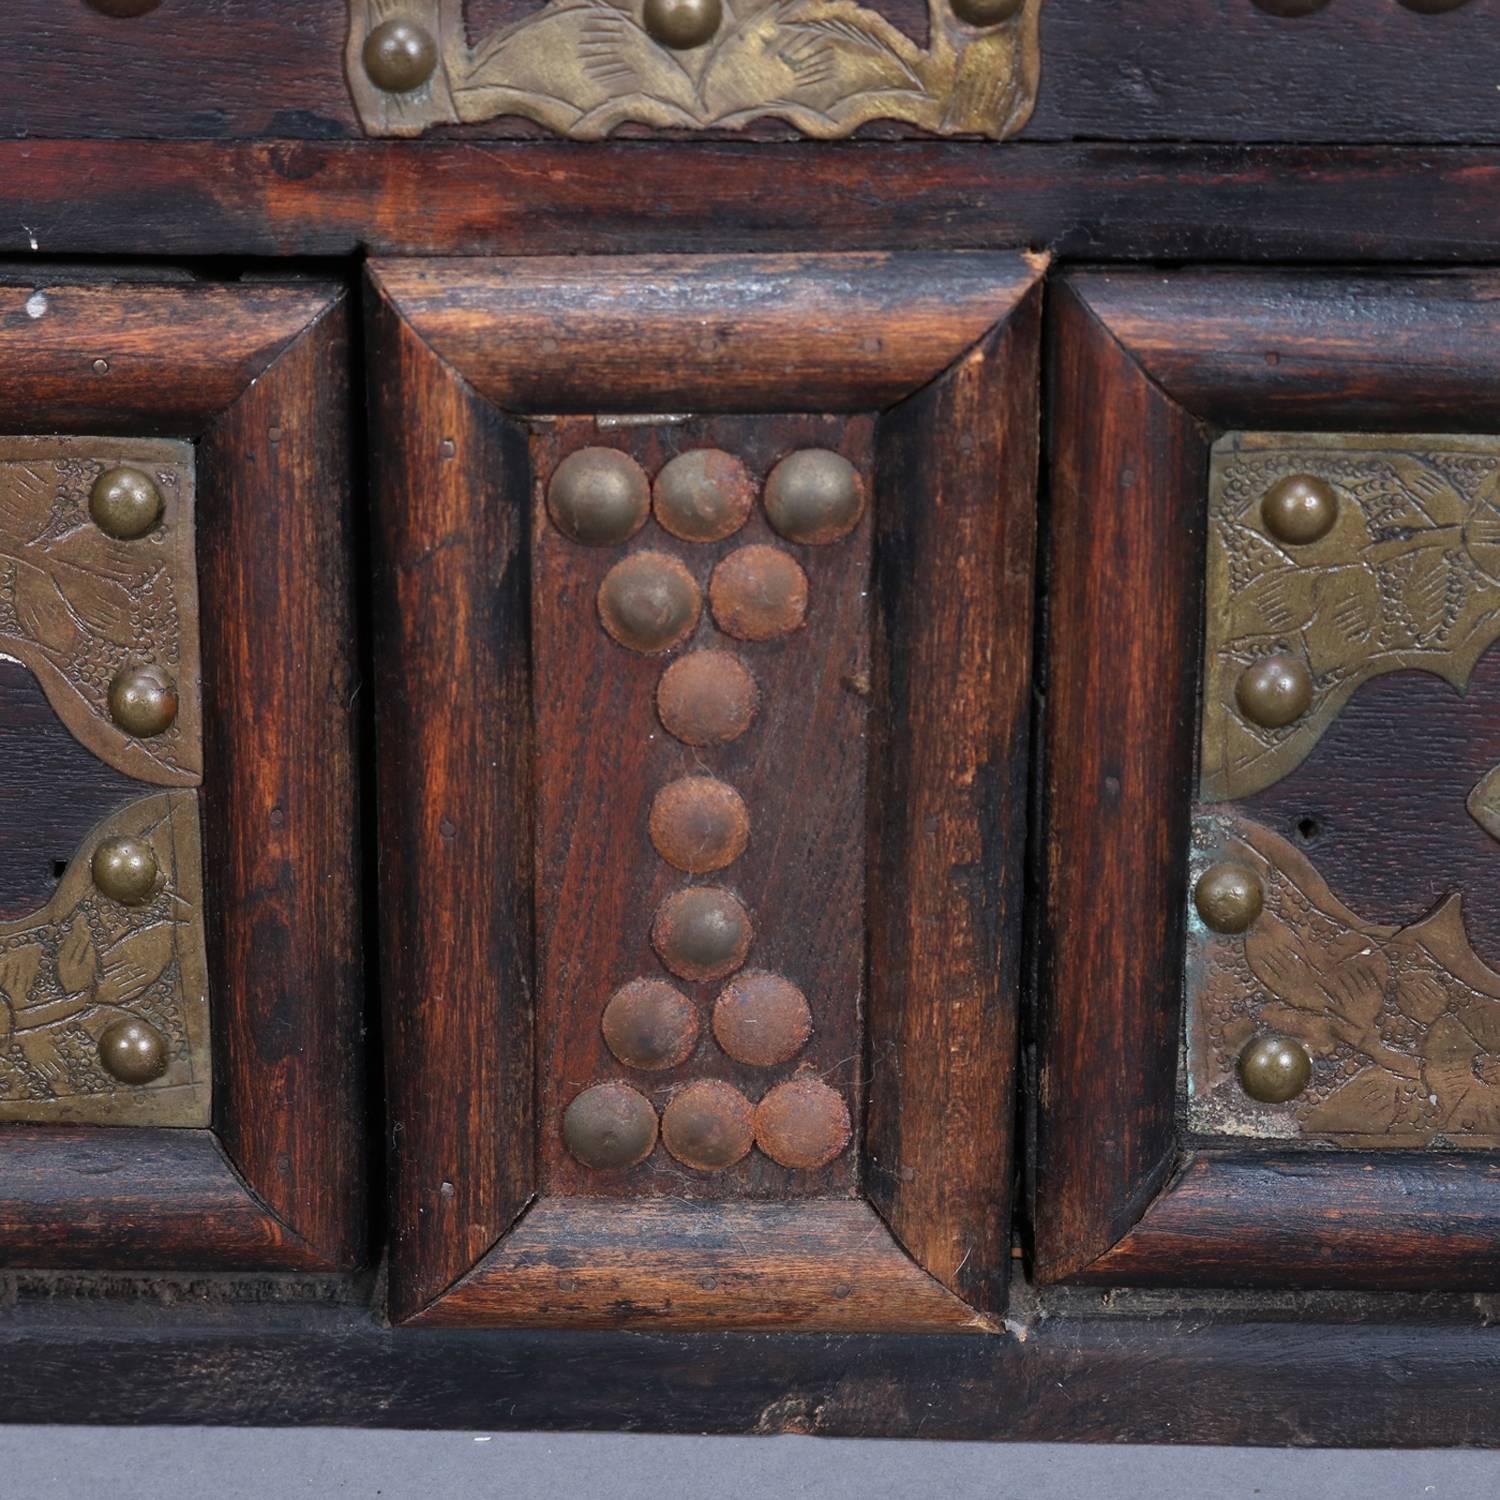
[(941, 346), (1147, 370), (257, 376)]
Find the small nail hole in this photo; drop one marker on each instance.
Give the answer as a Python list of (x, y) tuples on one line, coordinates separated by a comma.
[(59, 868), (1308, 829)]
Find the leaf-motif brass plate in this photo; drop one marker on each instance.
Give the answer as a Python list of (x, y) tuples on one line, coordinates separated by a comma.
[(583, 68), (77, 606), (1408, 577), (85, 963)]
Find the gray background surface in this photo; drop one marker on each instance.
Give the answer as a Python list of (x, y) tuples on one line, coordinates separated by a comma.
[(164, 1463)]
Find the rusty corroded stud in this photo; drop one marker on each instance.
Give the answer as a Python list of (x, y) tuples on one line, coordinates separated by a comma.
[(125, 870), (133, 1052), (599, 496), (125, 503), (704, 495), (706, 698), (143, 701), (802, 1123), (1228, 896), (699, 823), (1274, 691), (758, 593), (610, 1126), (400, 56), (650, 1025), (703, 932), (762, 1019), (1274, 1069), (1300, 509), (708, 1125), (649, 602), (987, 12), (681, 24)]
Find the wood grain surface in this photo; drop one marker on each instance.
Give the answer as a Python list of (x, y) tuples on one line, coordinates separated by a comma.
[(1124, 578), (948, 803)]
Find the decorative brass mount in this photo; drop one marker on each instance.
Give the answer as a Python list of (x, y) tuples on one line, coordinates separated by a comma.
[(583, 68)]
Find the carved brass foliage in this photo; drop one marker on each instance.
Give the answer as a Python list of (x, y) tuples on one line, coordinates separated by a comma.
[(77, 606), (583, 68), (1402, 1023), (84, 963), (1408, 577)]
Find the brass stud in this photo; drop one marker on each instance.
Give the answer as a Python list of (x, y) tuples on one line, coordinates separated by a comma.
[(649, 602), (1274, 1069), (762, 1019), (400, 56), (706, 698), (1300, 509), (701, 933), (681, 24), (143, 701), (704, 495), (1228, 897), (1274, 691), (126, 870), (815, 495), (708, 1125), (699, 823), (125, 9), (133, 1052), (125, 504), (802, 1123), (1290, 9), (758, 593), (610, 1126), (649, 1025), (987, 12), (599, 496)]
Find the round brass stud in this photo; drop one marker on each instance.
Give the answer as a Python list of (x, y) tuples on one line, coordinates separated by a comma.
[(802, 1123), (1229, 897), (703, 932), (708, 1125), (758, 593), (815, 495), (987, 12), (126, 870), (1300, 509), (649, 602), (125, 504), (699, 823), (706, 698), (1290, 9), (400, 56), (704, 495), (599, 496), (143, 701), (762, 1019), (1275, 691), (682, 24), (649, 1025), (1274, 1069), (610, 1126), (125, 9), (133, 1052)]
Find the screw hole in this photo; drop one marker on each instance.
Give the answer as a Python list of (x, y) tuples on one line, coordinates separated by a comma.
[(59, 868), (1309, 829)]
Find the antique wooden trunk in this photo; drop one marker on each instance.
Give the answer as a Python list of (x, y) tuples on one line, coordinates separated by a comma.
[(752, 715)]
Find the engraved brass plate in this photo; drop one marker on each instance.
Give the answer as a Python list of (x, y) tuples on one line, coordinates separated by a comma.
[(77, 606), (1386, 560), (583, 68), (85, 963), (1409, 576)]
